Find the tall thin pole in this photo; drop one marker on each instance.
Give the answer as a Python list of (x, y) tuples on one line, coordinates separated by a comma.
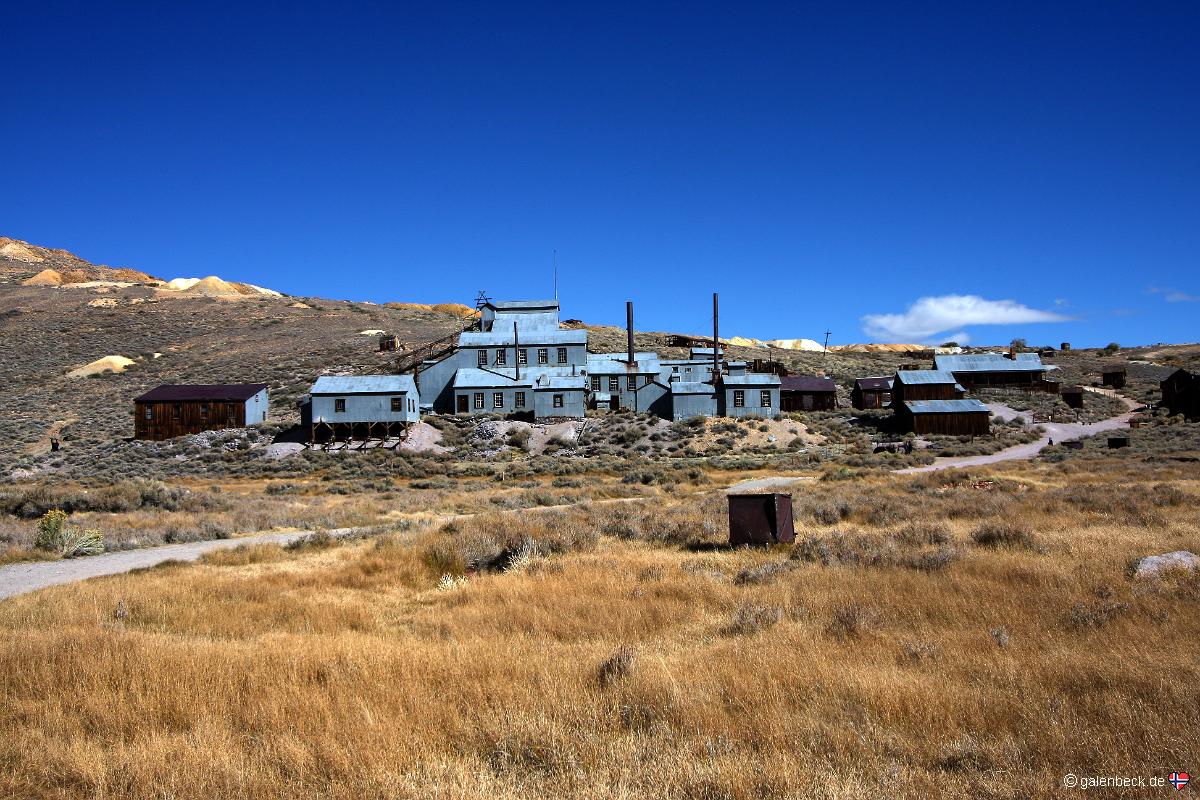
[(825, 352), (516, 351), (716, 342)]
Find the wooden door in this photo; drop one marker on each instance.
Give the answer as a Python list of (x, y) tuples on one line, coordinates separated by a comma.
[(462, 404)]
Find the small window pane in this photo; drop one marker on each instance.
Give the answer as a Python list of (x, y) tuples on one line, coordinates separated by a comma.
[(478, 399), (766, 399), (339, 404), (562, 355), (543, 355), (558, 401), (481, 358), (397, 404), (497, 399), (520, 400)]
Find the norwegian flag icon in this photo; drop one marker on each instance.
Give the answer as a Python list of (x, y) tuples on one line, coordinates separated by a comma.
[(1179, 779)]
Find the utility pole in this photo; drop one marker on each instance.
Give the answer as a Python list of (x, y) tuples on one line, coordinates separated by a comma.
[(825, 352)]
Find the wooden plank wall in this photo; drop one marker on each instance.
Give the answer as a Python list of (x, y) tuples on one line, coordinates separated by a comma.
[(167, 422)]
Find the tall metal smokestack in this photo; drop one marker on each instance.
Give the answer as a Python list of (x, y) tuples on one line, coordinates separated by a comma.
[(716, 342), (629, 329)]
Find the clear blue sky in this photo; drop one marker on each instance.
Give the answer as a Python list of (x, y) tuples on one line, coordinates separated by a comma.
[(821, 166)]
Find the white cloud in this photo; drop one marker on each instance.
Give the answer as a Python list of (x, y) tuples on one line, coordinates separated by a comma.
[(1175, 296), (930, 316)]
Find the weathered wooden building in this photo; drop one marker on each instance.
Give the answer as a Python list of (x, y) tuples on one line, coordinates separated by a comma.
[(360, 407), (1181, 394), (807, 393), (924, 384), (944, 417), (181, 409), (1113, 377), (1072, 396), (875, 392), (1012, 370)]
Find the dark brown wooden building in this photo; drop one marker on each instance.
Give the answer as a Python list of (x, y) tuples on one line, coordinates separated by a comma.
[(871, 392), (1072, 396), (178, 410), (1114, 377), (1181, 394), (944, 417), (807, 393), (1014, 370), (924, 384)]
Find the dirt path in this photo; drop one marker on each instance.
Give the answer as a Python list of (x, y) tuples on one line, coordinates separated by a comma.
[(1056, 431), (29, 576)]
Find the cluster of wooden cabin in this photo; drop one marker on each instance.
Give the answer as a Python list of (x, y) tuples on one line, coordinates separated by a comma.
[(933, 401)]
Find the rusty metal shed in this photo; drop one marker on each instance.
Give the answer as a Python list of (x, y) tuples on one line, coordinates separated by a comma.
[(760, 518)]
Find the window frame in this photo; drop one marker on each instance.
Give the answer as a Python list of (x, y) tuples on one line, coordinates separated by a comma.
[(562, 355), (519, 400), (595, 383), (339, 405), (543, 355), (481, 358), (477, 400), (522, 356), (501, 357), (614, 384), (497, 400), (764, 398), (397, 405), (557, 401), (739, 398), (149, 412)]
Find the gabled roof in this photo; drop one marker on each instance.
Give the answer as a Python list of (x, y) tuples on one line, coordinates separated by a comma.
[(991, 362), (521, 305), (881, 383), (945, 406), (364, 384), (914, 376), (213, 392), (806, 383)]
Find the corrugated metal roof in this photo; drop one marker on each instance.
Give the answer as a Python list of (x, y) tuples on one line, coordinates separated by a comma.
[(486, 379), (182, 393), (806, 383), (912, 376), (990, 362), (752, 379), (945, 406), (535, 338), (363, 384), (691, 387), (556, 383), (878, 384), (511, 305)]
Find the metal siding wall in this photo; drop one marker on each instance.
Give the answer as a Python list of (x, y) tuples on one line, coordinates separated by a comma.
[(573, 403), (685, 406), (752, 407), (436, 382), (359, 408)]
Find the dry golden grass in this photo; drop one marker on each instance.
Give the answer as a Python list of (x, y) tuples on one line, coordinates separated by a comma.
[(640, 662)]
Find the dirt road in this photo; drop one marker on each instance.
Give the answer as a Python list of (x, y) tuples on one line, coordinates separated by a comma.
[(1056, 431), (29, 576)]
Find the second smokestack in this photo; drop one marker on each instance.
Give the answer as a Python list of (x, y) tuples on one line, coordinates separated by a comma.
[(629, 328)]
